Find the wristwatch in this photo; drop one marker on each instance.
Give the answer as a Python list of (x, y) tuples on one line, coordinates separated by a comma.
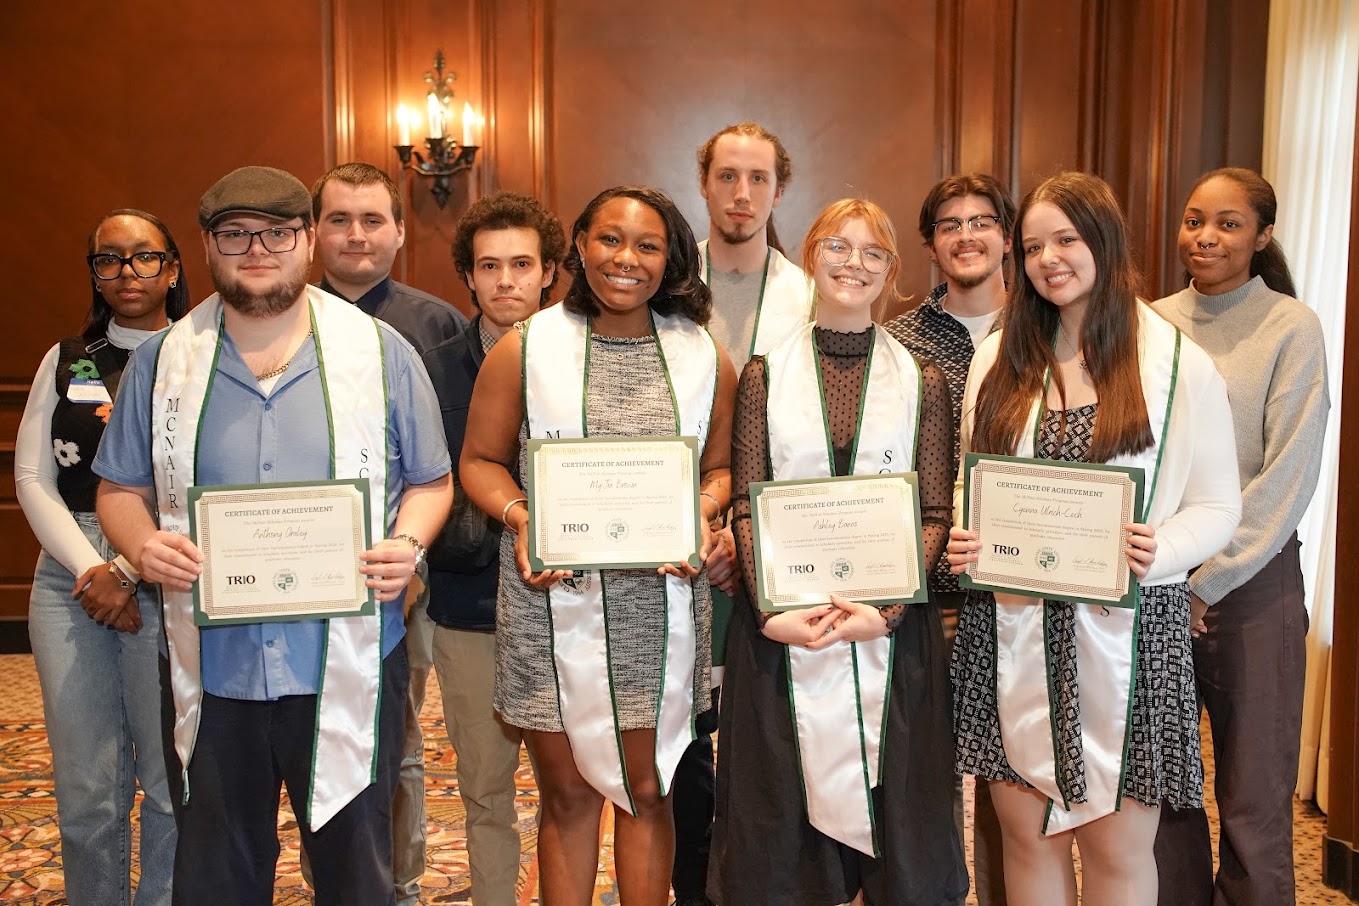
[(420, 552)]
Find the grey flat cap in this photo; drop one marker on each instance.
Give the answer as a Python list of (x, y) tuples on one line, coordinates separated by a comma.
[(255, 190)]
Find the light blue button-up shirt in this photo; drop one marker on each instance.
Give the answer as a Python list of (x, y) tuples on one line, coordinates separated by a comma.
[(247, 438)]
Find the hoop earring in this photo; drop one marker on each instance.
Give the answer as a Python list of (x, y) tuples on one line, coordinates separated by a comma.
[(172, 283)]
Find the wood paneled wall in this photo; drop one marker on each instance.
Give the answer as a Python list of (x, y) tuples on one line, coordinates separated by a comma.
[(879, 99), (132, 105)]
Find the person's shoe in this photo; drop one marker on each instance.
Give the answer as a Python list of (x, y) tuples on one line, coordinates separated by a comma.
[(692, 901)]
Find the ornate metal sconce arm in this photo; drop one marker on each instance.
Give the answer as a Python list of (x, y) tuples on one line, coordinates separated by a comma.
[(446, 158)]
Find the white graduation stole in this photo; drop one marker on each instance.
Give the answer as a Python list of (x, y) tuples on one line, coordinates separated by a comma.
[(351, 676), (1106, 637), (791, 298), (555, 357), (839, 694)]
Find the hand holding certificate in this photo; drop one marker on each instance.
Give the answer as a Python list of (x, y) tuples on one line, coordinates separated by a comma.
[(287, 551), (855, 537), (1051, 529), (613, 503)]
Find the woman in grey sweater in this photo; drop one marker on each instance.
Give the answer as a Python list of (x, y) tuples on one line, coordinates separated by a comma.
[(1248, 617)]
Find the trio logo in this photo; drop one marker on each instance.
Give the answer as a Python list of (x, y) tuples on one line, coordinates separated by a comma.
[(240, 580)]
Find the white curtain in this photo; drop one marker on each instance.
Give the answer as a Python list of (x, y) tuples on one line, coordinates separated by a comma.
[(1311, 74)]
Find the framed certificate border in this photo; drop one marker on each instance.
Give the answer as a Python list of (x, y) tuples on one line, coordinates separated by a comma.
[(361, 603), (541, 450), (763, 494), (1130, 480)]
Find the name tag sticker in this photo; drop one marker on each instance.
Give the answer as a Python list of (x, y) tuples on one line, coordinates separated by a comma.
[(87, 391)]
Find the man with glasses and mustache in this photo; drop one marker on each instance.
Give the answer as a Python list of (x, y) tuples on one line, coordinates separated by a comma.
[(271, 380), (759, 298), (965, 222)]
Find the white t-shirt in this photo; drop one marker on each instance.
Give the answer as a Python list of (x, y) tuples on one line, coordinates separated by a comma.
[(979, 326)]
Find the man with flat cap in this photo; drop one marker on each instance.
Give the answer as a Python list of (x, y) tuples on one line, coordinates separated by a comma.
[(271, 380)]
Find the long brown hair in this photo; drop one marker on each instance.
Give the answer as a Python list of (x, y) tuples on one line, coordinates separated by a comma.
[(1108, 336)]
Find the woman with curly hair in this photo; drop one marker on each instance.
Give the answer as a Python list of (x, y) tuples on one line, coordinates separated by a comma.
[(624, 355)]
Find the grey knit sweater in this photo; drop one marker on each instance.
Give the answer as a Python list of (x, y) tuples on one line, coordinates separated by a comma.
[(1269, 349)]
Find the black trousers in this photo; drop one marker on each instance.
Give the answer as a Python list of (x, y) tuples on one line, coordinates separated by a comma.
[(228, 830), (692, 799), (1250, 665)]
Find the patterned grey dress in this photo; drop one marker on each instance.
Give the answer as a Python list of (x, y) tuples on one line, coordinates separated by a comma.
[(627, 396), (1164, 759)]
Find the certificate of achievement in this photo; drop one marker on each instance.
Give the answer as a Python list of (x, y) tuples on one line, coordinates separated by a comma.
[(287, 551), (613, 503), (856, 537), (1051, 529)]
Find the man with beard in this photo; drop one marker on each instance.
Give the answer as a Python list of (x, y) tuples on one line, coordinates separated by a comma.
[(965, 223), (359, 229), (271, 380), (759, 298), (507, 248)]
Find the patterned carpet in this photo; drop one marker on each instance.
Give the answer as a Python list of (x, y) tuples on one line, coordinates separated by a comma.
[(30, 859)]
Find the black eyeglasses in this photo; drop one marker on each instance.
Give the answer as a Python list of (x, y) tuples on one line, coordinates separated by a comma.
[(980, 225), (274, 239), (107, 266)]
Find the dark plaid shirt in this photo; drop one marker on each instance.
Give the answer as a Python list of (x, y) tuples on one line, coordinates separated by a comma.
[(933, 335)]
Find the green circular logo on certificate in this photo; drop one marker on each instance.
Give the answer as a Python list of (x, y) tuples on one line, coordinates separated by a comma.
[(285, 580), (617, 529), (842, 569), (1047, 558)]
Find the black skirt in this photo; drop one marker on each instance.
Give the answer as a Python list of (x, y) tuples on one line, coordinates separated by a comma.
[(766, 853)]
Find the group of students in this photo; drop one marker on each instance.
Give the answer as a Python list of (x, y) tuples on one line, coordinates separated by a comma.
[(1079, 722)]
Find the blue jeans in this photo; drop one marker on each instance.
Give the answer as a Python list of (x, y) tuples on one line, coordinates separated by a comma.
[(101, 697)]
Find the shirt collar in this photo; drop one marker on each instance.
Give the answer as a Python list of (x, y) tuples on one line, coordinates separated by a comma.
[(935, 300), (370, 301)]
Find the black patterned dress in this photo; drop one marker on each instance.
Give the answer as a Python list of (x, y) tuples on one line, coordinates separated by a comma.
[(1164, 761), (765, 852)]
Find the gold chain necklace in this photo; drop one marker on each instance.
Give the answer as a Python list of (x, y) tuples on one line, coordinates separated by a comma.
[(273, 373)]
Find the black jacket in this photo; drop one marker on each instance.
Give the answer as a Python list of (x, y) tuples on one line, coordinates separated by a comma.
[(464, 560)]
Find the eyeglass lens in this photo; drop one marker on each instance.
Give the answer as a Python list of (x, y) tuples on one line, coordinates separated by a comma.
[(837, 251), (978, 225), (274, 239), (144, 264)]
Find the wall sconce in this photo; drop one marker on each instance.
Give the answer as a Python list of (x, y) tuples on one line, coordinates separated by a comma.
[(447, 156)]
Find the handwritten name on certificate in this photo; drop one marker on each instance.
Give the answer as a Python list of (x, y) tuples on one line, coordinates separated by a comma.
[(613, 503), (856, 537), (287, 551), (1051, 529)]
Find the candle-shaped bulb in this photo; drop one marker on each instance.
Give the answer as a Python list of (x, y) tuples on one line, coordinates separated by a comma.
[(468, 122), (403, 125), (436, 117)]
